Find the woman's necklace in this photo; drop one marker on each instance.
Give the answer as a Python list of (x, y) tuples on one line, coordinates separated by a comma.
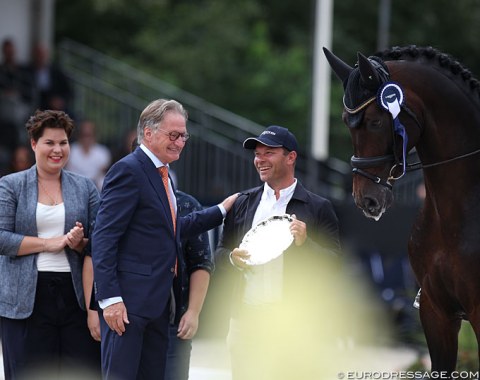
[(54, 200)]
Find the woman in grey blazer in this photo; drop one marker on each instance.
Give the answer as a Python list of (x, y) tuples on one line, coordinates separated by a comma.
[(46, 217)]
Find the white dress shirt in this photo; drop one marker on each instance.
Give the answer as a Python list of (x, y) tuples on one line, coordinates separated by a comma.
[(264, 283)]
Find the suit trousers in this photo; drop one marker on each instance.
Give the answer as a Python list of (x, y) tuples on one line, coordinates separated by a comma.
[(140, 353)]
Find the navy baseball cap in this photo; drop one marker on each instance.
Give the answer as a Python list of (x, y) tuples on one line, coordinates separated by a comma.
[(274, 137)]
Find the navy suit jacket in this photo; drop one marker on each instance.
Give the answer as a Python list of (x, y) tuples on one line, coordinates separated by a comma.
[(134, 248)]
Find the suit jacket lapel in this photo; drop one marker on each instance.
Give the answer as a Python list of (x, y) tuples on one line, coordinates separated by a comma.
[(155, 180), (251, 204), (254, 202)]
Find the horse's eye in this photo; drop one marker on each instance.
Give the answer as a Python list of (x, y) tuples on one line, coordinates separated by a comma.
[(374, 124)]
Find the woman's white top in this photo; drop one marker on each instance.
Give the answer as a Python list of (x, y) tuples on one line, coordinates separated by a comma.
[(51, 223)]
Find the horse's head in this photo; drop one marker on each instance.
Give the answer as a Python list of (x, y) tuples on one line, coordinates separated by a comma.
[(378, 145)]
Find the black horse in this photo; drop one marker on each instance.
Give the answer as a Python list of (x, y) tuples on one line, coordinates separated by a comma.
[(410, 97)]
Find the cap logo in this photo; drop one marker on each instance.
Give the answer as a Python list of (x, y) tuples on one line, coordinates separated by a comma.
[(268, 133)]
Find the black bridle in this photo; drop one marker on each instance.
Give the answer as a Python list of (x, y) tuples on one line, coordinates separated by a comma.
[(360, 163), (390, 98)]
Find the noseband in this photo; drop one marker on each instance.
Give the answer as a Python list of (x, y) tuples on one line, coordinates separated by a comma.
[(360, 163)]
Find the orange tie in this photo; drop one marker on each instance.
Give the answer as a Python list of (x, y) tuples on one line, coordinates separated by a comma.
[(164, 173)]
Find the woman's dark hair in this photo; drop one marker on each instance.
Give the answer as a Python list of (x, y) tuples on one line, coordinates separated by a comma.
[(40, 120)]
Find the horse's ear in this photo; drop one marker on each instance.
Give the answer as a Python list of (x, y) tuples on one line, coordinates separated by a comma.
[(368, 73), (340, 68)]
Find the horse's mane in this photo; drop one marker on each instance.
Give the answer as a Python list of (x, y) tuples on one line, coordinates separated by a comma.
[(430, 54)]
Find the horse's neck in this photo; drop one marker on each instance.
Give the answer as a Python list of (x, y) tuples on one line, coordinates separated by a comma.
[(451, 184), (448, 118), (446, 108), (449, 148), (449, 115), (444, 142)]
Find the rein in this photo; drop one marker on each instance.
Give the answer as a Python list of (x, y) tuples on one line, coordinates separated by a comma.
[(419, 165)]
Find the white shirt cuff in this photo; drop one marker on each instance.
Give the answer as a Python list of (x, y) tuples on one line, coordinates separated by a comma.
[(109, 301), (222, 209)]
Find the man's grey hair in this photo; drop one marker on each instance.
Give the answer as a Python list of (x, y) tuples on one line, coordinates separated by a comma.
[(155, 112)]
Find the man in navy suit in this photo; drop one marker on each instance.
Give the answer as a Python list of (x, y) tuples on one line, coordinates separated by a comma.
[(136, 243)]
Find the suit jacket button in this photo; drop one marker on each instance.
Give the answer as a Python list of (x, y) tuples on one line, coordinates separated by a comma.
[(172, 270)]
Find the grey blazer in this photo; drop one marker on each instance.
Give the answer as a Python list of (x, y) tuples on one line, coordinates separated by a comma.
[(18, 204)]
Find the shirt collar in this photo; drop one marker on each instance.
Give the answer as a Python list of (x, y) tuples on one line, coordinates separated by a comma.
[(152, 157), (268, 192)]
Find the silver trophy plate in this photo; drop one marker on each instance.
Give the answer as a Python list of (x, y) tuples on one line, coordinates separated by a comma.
[(268, 239)]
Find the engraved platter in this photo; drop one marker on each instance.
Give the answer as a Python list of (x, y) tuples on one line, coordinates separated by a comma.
[(268, 239)]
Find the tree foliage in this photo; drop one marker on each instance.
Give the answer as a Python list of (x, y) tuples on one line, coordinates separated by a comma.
[(255, 57)]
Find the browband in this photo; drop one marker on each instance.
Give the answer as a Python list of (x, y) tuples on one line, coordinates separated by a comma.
[(360, 107)]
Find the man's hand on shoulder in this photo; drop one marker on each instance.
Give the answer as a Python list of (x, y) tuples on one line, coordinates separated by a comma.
[(228, 202)]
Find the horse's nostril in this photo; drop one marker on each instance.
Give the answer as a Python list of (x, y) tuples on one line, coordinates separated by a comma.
[(370, 204)]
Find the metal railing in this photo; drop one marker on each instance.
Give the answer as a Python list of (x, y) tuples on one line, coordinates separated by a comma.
[(113, 94), (214, 163)]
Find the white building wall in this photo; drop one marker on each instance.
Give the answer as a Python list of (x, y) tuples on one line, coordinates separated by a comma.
[(27, 22)]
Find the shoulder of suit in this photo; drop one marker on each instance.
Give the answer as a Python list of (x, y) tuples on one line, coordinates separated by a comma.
[(302, 193), (138, 157), (132, 159), (252, 191)]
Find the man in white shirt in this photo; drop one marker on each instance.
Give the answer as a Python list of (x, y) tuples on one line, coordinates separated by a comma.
[(263, 290)]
